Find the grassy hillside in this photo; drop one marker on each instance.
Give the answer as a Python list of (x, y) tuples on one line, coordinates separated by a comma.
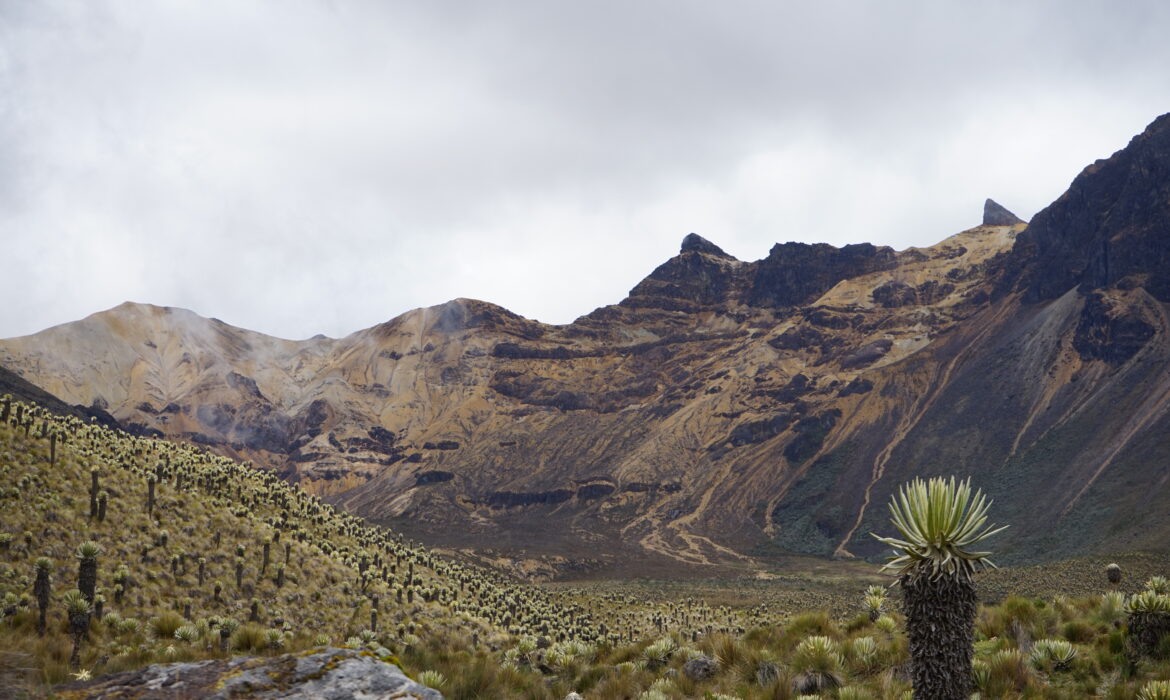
[(189, 539), (226, 559)]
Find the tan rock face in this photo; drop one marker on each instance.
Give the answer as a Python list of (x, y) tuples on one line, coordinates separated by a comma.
[(673, 419), (725, 408)]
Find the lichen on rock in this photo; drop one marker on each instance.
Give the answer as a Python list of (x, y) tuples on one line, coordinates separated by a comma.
[(320, 673)]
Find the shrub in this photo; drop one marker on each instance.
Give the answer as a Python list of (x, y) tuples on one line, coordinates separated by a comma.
[(1007, 672), (432, 679), (1148, 601), (1155, 690), (1056, 654), (814, 623), (874, 602), (78, 610), (187, 633), (166, 624), (817, 661), (250, 637), (1078, 631), (129, 625), (863, 651), (657, 654), (87, 554), (1111, 609)]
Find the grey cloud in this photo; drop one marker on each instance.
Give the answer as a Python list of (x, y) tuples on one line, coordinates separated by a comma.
[(307, 167)]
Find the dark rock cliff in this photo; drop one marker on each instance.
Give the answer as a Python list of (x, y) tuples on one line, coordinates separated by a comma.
[(1112, 226), (793, 274), (797, 273), (700, 275)]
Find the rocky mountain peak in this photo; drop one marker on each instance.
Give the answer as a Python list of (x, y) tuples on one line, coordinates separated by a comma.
[(995, 214), (695, 242), (797, 273), (1109, 227)]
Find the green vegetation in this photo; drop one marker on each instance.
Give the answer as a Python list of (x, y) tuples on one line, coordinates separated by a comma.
[(199, 557)]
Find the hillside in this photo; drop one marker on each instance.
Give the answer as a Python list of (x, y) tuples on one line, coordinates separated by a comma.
[(191, 539), (200, 557), (725, 409), (21, 389), (230, 580)]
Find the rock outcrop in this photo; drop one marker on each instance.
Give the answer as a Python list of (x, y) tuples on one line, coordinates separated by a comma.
[(695, 242), (796, 274), (1110, 227), (995, 214), (320, 673)]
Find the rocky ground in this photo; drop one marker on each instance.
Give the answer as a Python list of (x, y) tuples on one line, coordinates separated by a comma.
[(320, 673)]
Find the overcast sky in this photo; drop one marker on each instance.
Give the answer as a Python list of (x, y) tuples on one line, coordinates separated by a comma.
[(300, 167)]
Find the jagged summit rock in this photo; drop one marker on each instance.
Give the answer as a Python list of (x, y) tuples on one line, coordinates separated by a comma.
[(694, 241), (995, 214)]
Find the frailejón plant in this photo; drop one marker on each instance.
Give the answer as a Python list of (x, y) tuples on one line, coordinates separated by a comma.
[(940, 521)]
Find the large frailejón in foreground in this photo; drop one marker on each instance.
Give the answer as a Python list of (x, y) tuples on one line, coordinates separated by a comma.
[(939, 521)]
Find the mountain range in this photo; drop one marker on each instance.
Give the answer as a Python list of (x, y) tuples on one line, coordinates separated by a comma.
[(725, 410)]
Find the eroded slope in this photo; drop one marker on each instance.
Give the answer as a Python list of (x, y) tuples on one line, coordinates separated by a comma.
[(725, 407)]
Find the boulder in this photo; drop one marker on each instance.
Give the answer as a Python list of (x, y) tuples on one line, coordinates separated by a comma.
[(700, 668)]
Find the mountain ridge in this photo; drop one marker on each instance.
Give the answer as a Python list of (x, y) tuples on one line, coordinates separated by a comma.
[(725, 408), (253, 375)]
